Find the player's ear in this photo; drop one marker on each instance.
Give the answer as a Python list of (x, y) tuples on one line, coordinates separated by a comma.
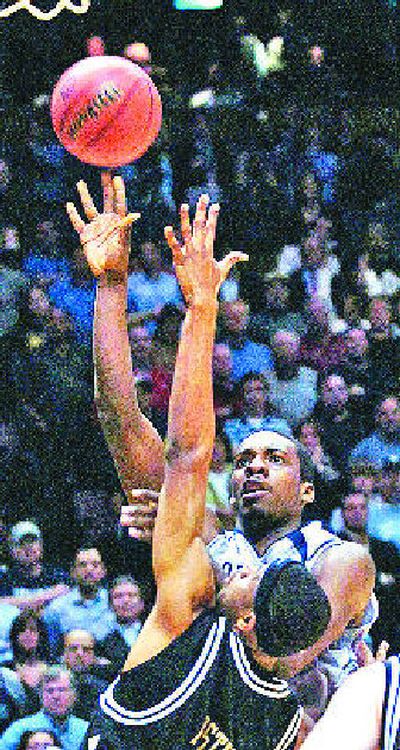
[(245, 623), (307, 492)]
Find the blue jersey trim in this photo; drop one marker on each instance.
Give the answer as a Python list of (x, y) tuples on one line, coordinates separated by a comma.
[(392, 704)]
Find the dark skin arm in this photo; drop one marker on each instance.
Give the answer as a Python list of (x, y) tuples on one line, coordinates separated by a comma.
[(134, 443), (181, 565)]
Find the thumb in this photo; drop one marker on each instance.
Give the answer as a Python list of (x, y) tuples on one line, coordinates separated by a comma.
[(229, 261), (382, 651)]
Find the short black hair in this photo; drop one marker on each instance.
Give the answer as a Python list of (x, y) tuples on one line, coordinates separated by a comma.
[(292, 610)]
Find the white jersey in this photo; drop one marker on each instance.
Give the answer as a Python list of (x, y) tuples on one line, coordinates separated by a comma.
[(391, 707), (231, 551)]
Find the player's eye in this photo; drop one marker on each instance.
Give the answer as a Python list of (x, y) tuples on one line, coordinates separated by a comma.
[(274, 459)]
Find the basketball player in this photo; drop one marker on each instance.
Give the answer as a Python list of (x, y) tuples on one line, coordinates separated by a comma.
[(270, 513), (190, 680), (364, 713)]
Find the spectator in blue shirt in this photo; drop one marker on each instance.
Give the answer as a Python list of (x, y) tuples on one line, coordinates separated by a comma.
[(256, 413), (86, 606), (384, 443), (247, 355), (56, 714)]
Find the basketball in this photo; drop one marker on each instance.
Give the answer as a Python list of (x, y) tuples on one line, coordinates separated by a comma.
[(106, 111)]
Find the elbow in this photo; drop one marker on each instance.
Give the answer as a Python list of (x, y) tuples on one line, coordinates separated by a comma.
[(188, 458)]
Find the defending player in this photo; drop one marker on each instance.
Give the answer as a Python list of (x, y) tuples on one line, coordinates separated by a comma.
[(189, 681)]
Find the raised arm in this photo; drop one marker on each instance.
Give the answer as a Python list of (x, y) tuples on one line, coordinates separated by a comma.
[(134, 443), (181, 565)]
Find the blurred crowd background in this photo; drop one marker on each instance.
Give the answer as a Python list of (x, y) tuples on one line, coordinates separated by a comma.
[(287, 113)]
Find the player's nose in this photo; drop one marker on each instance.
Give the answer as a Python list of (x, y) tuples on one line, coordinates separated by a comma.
[(257, 466)]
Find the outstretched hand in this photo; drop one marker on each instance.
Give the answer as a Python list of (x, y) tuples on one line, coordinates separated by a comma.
[(105, 239), (198, 273)]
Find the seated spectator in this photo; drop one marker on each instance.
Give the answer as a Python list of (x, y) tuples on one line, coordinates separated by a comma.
[(29, 639), (376, 278), (383, 444), (292, 386), (362, 477), (155, 285), (31, 653), (165, 343), (355, 366), (384, 506), (223, 387), (86, 606), (325, 476), (56, 714), (384, 351), (79, 658), (128, 605), (12, 698), (29, 581), (14, 291), (340, 426), (38, 741), (8, 613), (74, 296), (141, 349), (45, 262), (255, 412), (219, 481), (314, 280), (320, 348), (278, 312), (387, 562), (247, 355)]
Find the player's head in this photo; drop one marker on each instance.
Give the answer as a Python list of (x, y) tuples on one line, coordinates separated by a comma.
[(279, 610), (271, 482)]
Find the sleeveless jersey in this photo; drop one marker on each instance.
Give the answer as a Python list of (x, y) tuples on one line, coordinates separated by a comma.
[(231, 551), (203, 691), (390, 739)]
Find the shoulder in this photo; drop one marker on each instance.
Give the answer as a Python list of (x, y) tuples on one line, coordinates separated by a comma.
[(77, 725), (53, 575), (38, 719), (63, 602), (348, 571), (308, 374), (346, 555)]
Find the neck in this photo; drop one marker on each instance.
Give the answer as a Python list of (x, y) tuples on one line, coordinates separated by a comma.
[(88, 593), (126, 622), (360, 537), (268, 540), (286, 371)]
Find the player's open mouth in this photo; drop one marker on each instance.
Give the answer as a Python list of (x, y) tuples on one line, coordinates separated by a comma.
[(253, 492)]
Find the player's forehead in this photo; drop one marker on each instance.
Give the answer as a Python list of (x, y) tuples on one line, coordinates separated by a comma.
[(265, 441)]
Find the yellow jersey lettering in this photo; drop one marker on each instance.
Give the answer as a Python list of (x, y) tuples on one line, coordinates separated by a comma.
[(211, 737)]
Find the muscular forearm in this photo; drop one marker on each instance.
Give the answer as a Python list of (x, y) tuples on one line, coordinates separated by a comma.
[(191, 415), (114, 386), (134, 443)]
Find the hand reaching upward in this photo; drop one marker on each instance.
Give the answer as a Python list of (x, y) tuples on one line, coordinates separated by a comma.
[(198, 273), (105, 239)]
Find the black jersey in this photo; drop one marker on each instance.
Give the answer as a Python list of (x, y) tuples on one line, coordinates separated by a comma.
[(203, 691), (391, 709)]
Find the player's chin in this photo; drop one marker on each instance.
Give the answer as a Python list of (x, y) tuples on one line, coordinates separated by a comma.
[(255, 501)]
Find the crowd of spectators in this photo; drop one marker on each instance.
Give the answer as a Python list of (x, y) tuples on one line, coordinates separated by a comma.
[(308, 339)]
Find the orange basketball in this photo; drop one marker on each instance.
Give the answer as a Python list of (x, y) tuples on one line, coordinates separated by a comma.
[(106, 111)]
